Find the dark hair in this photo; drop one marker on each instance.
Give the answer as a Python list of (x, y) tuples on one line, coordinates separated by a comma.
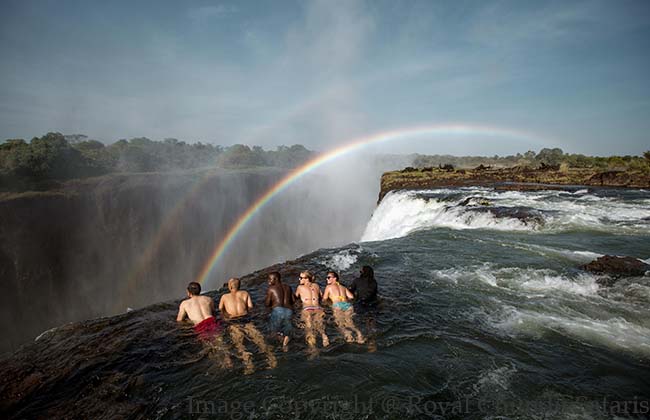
[(194, 288), (336, 275), (275, 275), (367, 272)]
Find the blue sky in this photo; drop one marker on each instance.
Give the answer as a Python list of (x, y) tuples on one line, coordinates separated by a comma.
[(321, 73)]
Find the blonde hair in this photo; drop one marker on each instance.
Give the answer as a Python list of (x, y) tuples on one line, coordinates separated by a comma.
[(235, 283), (308, 274)]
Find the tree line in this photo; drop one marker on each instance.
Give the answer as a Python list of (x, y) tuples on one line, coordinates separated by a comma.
[(554, 158), (55, 157)]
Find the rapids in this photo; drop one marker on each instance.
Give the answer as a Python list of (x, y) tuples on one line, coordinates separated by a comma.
[(483, 314)]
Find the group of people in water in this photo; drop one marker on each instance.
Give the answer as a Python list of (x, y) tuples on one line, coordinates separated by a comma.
[(235, 307)]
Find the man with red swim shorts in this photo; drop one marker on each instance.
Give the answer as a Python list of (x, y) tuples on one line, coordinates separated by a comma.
[(199, 309)]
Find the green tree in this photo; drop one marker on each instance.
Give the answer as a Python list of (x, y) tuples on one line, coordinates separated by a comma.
[(550, 157)]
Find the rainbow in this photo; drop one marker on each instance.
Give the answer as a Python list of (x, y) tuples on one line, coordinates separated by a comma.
[(164, 231), (354, 145)]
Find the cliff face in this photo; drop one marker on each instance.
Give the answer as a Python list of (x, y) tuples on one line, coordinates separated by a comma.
[(509, 178), (94, 247)]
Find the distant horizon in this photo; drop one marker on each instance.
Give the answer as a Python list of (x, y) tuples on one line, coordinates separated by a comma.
[(274, 147)]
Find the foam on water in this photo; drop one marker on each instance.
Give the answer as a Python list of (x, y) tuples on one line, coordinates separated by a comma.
[(615, 333), (573, 255), (342, 260), (541, 281), (404, 212), (499, 377)]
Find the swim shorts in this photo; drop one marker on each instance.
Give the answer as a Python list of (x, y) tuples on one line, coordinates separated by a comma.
[(344, 306), (281, 320), (208, 328)]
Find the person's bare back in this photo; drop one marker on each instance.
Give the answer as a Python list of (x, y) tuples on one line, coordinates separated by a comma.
[(312, 313), (197, 308), (236, 303), (279, 294), (309, 294)]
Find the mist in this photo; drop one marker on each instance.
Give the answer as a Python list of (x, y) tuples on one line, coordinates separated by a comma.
[(105, 245)]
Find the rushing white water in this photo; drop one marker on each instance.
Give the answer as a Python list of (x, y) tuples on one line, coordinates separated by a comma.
[(616, 333), (540, 281), (403, 212), (342, 260)]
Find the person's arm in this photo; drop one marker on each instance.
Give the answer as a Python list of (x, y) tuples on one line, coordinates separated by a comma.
[(348, 293), (222, 306), (267, 300), (325, 295), (212, 311), (249, 301), (181, 312), (353, 286)]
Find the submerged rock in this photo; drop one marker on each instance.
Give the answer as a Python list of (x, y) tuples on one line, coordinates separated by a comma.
[(527, 215), (616, 267), (475, 201)]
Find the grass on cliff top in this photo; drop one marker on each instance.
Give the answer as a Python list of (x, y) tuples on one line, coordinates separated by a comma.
[(562, 175)]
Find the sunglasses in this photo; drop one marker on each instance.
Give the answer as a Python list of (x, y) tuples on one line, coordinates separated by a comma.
[(331, 277), (304, 278)]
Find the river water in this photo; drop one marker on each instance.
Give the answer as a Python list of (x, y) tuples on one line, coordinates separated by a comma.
[(484, 313)]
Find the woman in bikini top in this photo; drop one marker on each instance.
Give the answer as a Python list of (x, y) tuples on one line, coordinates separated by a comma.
[(309, 297), (338, 293)]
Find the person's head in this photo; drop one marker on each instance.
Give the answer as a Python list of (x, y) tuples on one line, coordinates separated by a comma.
[(233, 284), (306, 277), (274, 278), (193, 289), (367, 272), (332, 277)]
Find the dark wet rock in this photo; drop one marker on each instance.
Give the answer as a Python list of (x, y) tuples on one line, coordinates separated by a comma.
[(616, 267), (527, 215), (475, 201)]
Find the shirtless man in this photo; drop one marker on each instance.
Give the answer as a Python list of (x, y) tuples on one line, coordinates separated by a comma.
[(341, 307), (235, 306), (200, 311), (312, 313), (279, 297)]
